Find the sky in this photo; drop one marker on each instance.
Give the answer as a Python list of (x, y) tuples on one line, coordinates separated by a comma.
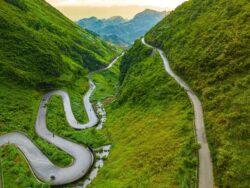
[(77, 9)]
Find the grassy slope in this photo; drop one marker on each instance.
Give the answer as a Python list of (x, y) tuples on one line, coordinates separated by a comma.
[(56, 118), (39, 45), (106, 83), (24, 109), (149, 125), (41, 50), (207, 43), (19, 108)]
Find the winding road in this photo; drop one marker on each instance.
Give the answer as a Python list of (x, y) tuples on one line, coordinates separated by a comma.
[(205, 163), (47, 172), (42, 167)]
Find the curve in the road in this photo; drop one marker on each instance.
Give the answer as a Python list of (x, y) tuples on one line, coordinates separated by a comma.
[(205, 163), (42, 167)]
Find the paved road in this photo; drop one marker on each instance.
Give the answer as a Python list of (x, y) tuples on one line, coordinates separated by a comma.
[(41, 166), (109, 66), (113, 62), (93, 120), (205, 163)]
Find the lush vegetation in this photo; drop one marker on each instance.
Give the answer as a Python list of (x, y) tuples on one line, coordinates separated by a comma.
[(150, 126), (57, 124), (208, 44), (106, 83), (41, 50), (150, 119), (19, 108), (15, 170), (24, 108), (39, 46)]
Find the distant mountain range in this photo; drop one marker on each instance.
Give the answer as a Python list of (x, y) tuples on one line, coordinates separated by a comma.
[(121, 31)]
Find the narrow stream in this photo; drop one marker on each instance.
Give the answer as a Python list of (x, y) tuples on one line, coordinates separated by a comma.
[(101, 153)]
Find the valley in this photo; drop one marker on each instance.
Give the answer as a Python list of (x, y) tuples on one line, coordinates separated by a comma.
[(121, 31), (160, 100), (139, 119), (40, 165), (34, 61)]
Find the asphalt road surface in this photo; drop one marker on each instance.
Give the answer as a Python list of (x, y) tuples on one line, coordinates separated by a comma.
[(41, 166), (205, 163)]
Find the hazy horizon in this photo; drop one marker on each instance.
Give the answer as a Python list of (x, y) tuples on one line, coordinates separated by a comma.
[(126, 12), (78, 9)]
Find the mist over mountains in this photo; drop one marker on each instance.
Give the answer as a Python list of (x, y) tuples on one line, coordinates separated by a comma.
[(122, 31)]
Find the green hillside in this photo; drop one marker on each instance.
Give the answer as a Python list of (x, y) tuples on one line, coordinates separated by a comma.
[(40, 46), (149, 116), (41, 50), (208, 44), (149, 123)]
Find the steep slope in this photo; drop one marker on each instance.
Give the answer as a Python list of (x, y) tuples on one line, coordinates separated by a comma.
[(207, 43), (41, 50), (149, 123), (39, 44), (121, 31)]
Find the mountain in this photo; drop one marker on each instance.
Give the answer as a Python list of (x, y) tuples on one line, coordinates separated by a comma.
[(208, 44), (38, 44), (149, 123), (96, 24), (120, 31), (150, 118), (42, 50)]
